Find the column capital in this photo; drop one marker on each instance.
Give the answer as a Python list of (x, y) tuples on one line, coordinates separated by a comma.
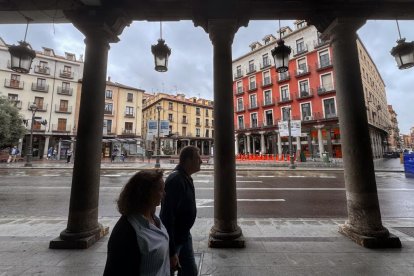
[(340, 26), (221, 29), (262, 132), (99, 24), (318, 126), (248, 133)]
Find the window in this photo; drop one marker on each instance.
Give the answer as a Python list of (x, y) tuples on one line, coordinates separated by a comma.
[(63, 106), (284, 93), (197, 132), (265, 60), (251, 66), (238, 71), (13, 97), (207, 122), (252, 83), (108, 126), (329, 106), (253, 120), (268, 97), (324, 59), (304, 88), (108, 108), (170, 117), (240, 104), (108, 94), (207, 132), (198, 111), (241, 122), (306, 111), (267, 40), (184, 108), (282, 33), (130, 97), (15, 80), (129, 111), (206, 112), (67, 69), (212, 123), (39, 102), (128, 127), (170, 105), (285, 113), (300, 24), (41, 84), (197, 121), (65, 86), (184, 120), (43, 64), (302, 66), (300, 46), (253, 101), (269, 117), (61, 124), (326, 82), (266, 78), (184, 131)]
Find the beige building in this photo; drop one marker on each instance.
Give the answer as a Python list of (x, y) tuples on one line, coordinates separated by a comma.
[(190, 122), (51, 84), (122, 119), (394, 142)]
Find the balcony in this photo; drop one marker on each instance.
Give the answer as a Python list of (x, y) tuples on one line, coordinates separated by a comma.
[(253, 106), (283, 77), (323, 90), (109, 112), (269, 123), (184, 121), (305, 94), (302, 71), (63, 109), (40, 87), (129, 115), (42, 70), (66, 74), (198, 125), (331, 116), (308, 118), (241, 127), (128, 131), (300, 49), (36, 128), (65, 91), (61, 128), (238, 74), (320, 43), (40, 107), (240, 108), (239, 91), (284, 100), (267, 82), (268, 102), (15, 84), (254, 125), (251, 69), (266, 63), (17, 103), (325, 64), (252, 87)]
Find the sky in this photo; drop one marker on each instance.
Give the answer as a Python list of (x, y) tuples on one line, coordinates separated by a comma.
[(190, 69)]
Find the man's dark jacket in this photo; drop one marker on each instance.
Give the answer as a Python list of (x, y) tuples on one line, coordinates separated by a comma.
[(123, 251), (178, 208)]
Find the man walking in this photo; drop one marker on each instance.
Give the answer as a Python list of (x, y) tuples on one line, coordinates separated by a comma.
[(178, 211)]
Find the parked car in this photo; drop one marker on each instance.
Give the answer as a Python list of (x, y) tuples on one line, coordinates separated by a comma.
[(391, 154)]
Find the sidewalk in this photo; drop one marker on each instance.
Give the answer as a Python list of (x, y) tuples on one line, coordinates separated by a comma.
[(273, 247)]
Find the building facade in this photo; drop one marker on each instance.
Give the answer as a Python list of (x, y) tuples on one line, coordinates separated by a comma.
[(190, 122), (394, 141), (263, 97), (122, 120), (51, 84)]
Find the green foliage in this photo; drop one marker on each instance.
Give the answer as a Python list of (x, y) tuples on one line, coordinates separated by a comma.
[(11, 124)]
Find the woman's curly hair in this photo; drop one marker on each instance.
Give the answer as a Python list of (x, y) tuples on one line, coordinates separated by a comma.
[(138, 192)]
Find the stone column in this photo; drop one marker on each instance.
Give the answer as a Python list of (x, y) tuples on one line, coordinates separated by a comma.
[(364, 224), (202, 148), (225, 232), (279, 145), (298, 148), (320, 140), (59, 149), (310, 144), (262, 142), (47, 138), (83, 228), (236, 144), (209, 147), (176, 147), (248, 149), (329, 142)]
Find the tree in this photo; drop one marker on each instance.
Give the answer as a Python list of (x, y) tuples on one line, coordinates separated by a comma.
[(11, 123)]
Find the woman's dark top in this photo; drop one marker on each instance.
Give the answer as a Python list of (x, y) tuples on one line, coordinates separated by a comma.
[(123, 252)]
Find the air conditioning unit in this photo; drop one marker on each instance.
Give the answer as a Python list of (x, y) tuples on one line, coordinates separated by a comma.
[(308, 118), (321, 89)]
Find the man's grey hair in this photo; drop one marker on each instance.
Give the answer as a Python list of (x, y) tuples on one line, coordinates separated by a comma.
[(188, 153)]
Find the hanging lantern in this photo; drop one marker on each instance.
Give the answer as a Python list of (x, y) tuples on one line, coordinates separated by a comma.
[(403, 52), (22, 55), (161, 53), (281, 56)]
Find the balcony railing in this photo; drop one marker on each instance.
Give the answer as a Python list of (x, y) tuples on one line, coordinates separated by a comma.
[(253, 106), (238, 74), (66, 74), (319, 43), (305, 94), (301, 50), (265, 64), (240, 108), (184, 121), (267, 82), (284, 100), (322, 90), (109, 112), (42, 70), (128, 131), (63, 109), (129, 115), (252, 87), (268, 102), (65, 91), (198, 125), (40, 88), (61, 128), (254, 125), (251, 69), (241, 127), (40, 107), (302, 71), (37, 127), (13, 84), (283, 77), (324, 65), (17, 103), (239, 91)]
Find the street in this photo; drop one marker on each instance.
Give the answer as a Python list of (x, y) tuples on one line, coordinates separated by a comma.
[(261, 194)]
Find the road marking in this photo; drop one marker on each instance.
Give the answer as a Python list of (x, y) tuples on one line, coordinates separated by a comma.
[(201, 181), (279, 189), (296, 176), (327, 176), (249, 181), (200, 203), (48, 175), (111, 175), (265, 176), (260, 199)]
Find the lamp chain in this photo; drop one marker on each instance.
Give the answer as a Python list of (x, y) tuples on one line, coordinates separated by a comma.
[(161, 29), (398, 27), (280, 32)]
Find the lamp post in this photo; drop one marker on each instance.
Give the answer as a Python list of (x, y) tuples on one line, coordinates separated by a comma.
[(33, 108), (292, 157), (157, 162)]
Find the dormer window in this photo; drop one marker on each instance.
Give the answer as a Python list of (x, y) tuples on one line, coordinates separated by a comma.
[(47, 52), (300, 24), (253, 47), (267, 41), (283, 33), (70, 56)]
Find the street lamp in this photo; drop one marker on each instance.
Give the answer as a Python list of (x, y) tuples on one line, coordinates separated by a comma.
[(33, 108), (292, 157), (403, 52), (157, 162)]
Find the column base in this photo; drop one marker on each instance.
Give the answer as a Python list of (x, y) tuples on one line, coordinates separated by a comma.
[(219, 239), (82, 242), (388, 241)]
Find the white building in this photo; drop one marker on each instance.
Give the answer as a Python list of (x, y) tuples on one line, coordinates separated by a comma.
[(52, 84)]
